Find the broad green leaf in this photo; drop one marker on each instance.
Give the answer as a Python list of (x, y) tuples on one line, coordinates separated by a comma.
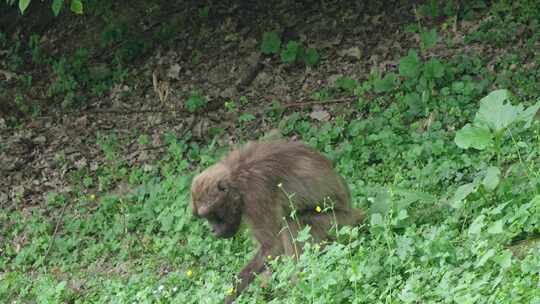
[(346, 84), (376, 220), (385, 84), (23, 5), (57, 6), (536, 201), (477, 137), (488, 255), (403, 214), (415, 103), (410, 196), (477, 225), (77, 6), (462, 192), (409, 66), (429, 38), (312, 57), (495, 113), (381, 204), (270, 43), (528, 115), (496, 227), (434, 69), (504, 259), (492, 178)]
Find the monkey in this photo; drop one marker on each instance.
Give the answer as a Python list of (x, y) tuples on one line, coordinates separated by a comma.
[(263, 184)]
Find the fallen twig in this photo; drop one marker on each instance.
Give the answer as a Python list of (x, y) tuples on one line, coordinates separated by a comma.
[(310, 103), (55, 231)]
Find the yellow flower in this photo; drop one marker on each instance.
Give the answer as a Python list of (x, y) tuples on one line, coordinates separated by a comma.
[(269, 257), (318, 209), (189, 273), (230, 291), (92, 197)]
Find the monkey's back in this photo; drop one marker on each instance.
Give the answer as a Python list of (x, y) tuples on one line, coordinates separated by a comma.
[(281, 170)]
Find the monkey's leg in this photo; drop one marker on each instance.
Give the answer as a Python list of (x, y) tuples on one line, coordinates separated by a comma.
[(267, 232), (321, 223), (255, 266), (288, 237)]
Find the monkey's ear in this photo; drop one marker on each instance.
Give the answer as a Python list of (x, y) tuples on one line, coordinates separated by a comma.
[(222, 186)]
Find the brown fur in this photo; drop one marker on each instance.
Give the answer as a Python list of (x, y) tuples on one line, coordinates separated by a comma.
[(265, 183)]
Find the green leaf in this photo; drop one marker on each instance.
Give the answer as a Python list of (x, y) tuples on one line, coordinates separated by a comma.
[(290, 53), (246, 117), (376, 220), (403, 214), (462, 192), (312, 57), (270, 43), (347, 84), (476, 137), (204, 12), (496, 227), (411, 196), (195, 101), (415, 103), (434, 69), (488, 255), (495, 113), (385, 84), (304, 234), (23, 5), (492, 178), (477, 225), (528, 115), (504, 259), (428, 38), (381, 204), (409, 66), (57, 6), (77, 6), (536, 201)]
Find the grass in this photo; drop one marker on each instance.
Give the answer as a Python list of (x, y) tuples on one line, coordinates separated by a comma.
[(446, 223)]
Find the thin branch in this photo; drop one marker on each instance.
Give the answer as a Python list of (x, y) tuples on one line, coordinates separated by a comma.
[(310, 103), (55, 231)]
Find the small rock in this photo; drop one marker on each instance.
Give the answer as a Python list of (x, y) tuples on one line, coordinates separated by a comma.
[(353, 52), (40, 139), (200, 129), (147, 168), (3, 198), (81, 163), (320, 115), (174, 71), (263, 79), (229, 92), (333, 78), (273, 134)]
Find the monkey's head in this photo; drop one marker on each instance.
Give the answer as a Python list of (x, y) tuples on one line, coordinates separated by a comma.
[(214, 198)]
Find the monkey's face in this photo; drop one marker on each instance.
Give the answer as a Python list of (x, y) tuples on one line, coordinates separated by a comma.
[(217, 201)]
